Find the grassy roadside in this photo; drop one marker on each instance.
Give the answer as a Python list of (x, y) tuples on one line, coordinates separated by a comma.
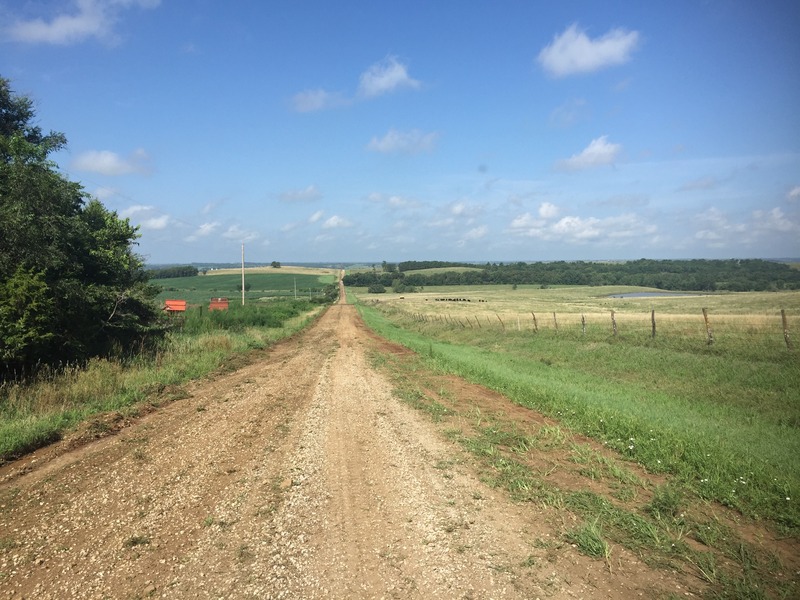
[(35, 414), (700, 458)]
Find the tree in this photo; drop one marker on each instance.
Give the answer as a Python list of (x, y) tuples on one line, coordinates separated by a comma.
[(71, 286), (275, 264)]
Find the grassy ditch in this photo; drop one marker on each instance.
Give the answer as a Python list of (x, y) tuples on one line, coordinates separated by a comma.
[(694, 445), (39, 412), (614, 501)]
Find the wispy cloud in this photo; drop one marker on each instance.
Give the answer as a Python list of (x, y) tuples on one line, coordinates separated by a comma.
[(774, 221), (307, 194), (476, 233), (573, 52), (385, 76), (701, 183), (202, 231), (106, 162), (155, 223), (393, 202), (569, 113), (316, 100), (316, 216), (134, 210), (234, 232), (794, 194), (146, 216), (598, 153), (88, 19), (336, 222), (404, 142)]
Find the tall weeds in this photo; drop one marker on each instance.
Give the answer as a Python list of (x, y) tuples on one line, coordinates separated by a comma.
[(39, 411)]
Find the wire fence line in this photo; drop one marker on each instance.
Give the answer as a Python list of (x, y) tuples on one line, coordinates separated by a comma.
[(773, 328)]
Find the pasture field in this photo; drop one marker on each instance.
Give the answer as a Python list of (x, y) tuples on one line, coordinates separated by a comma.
[(723, 419), (264, 282), (701, 440)]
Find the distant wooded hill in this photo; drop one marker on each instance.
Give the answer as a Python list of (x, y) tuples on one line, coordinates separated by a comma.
[(680, 275)]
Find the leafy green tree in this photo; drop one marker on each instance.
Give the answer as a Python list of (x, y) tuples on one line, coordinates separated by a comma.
[(71, 286)]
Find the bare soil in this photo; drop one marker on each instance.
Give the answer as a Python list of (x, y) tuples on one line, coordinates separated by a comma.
[(298, 476)]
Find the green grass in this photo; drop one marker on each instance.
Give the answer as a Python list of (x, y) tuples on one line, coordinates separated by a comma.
[(34, 414), (725, 424), (661, 520)]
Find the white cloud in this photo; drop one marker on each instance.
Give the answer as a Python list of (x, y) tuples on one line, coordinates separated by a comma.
[(408, 142), (476, 233), (384, 77), (90, 19), (599, 152), (613, 231), (774, 221), (316, 216), (104, 193), (202, 231), (548, 210), (717, 230), (308, 194), (112, 164), (234, 232), (574, 52), (381, 78), (147, 217), (159, 222), (336, 222), (314, 100), (392, 202), (794, 193), (525, 223), (135, 209)]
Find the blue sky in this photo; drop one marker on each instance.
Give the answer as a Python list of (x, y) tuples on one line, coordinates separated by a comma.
[(477, 131)]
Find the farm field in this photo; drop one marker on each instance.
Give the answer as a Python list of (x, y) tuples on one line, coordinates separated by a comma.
[(263, 282)]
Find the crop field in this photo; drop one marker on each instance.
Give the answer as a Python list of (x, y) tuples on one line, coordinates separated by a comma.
[(262, 282)]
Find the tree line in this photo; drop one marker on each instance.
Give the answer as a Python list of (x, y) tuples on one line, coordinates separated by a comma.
[(173, 272), (71, 286), (673, 275)]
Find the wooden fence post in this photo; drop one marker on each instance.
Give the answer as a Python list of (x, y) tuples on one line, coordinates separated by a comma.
[(653, 322), (709, 333), (478, 322), (613, 323), (518, 327), (583, 323), (786, 330), (501, 321), (535, 325), (555, 322)]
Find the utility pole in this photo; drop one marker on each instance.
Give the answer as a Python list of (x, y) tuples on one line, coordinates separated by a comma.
[(242, 274)]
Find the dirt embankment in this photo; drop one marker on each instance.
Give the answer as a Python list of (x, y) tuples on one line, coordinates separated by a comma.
[(300, 476)]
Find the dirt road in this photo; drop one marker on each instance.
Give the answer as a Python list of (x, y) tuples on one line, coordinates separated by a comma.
[(300, 476)]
